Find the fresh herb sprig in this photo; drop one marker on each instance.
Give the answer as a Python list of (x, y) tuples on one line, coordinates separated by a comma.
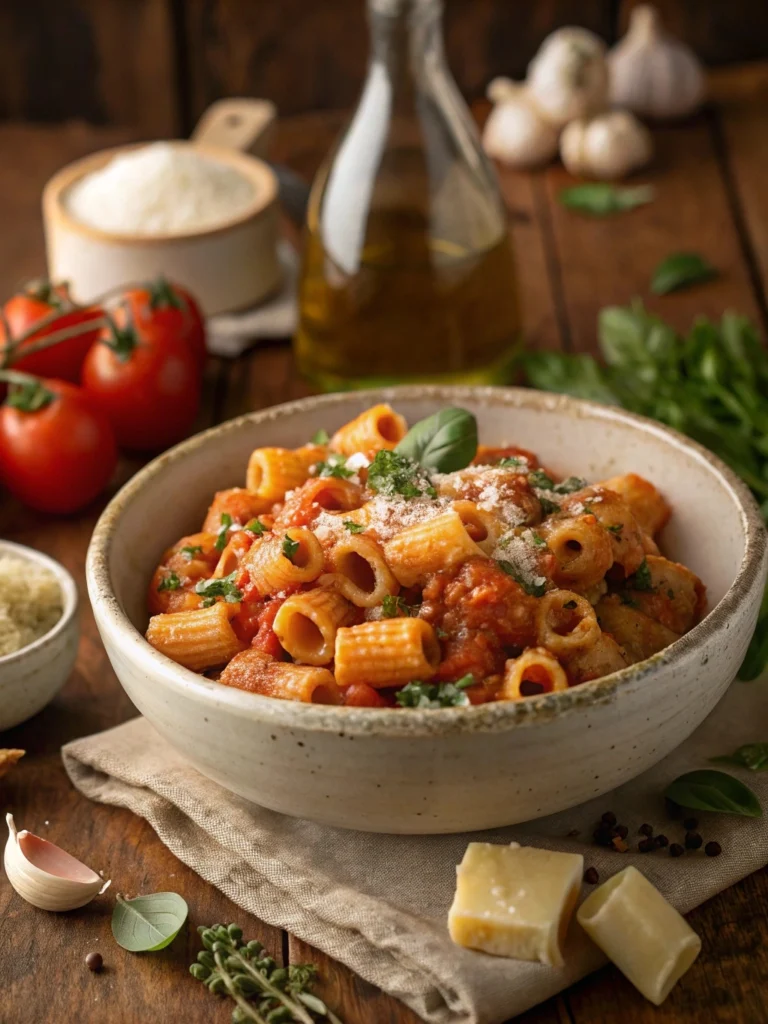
[(711, 384), (224, 586), (263, 992), (394, 474), (393, 606)]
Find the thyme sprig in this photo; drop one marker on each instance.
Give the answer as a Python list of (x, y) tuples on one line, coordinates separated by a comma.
[(263, 992)]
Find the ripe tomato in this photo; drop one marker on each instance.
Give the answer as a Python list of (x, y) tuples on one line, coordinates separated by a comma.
[(162, 310), (57, 452), (33, 303), (148, 389)]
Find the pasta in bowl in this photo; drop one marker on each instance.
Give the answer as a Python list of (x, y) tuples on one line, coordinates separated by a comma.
[(501, 634)]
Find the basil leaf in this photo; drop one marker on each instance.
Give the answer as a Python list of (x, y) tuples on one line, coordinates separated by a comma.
[(708, 790), (752, 755), (601, 199), (148, 923), (681, 270), (444, 442)]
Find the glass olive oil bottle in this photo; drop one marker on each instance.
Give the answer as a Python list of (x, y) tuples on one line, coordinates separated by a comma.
[(408, 273)]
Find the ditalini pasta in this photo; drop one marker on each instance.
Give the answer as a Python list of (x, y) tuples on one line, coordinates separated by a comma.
[(650, 943), (515, 901), (388, 568)]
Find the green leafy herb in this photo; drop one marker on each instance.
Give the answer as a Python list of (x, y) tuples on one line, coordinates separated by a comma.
[(224, 587), (570, 485), (615, 528), (335, 465), (752, 755), (435, 695), (255, 526), (708, 790), (443, 442), (191, 551), (548, 507), (543, 481), (627, 600), (393, 606), (353, 527), (536, 586), (442, 634), (221, 536), (148, 923), (641, 578), (393, 473), (681, 270), (512, 462), (290, 547), (169, 582), (601, 199), (262, 992), (535, 538), (321, 437)]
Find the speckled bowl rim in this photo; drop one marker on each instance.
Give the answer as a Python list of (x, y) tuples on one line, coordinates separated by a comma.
[(492, 717), (69, 600)]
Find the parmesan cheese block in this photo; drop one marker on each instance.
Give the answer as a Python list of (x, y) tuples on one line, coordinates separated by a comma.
[(650, 943), (515, 901)]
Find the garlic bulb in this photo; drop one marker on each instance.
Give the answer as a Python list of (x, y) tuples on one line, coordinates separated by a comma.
[(515, 133), (44, 875), (609, 146), (652, 73), (568, 77)]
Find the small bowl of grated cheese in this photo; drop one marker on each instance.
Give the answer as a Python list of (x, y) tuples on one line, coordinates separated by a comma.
[(38, 631)]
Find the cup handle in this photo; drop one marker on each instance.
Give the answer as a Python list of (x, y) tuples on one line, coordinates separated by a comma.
[(238, 123)]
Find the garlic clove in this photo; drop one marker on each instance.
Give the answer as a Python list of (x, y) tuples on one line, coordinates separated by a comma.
[(515, 133), (45, 875), (568, 77), (608, 146), (653, 74)]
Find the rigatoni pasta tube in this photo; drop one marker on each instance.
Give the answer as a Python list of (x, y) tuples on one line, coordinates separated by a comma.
[(379, 427), (650, 943), (306, 624), (582, 548), (534, 672), (388, 652), (565, 623), (482, 526), (439, 543), (256, 672), (645, 502), (361, 572), (197, 639), (273, 471), (271, 569)]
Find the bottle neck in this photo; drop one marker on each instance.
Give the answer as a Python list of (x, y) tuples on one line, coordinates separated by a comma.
[(406, 37)]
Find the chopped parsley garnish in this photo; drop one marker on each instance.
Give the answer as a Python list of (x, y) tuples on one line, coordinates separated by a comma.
[(392, 607), (290, 547), (391, 473), (616, 529), (442, 634), (224, 587), (221, 536), (321, 437), (255, 526), (512, 461), (535, 538), (548, 506), (353, 527), (536, 586), (191, 551), (538, 478), (335, 465), (435, 695), (569, 485), (641, 578), (169, 582)]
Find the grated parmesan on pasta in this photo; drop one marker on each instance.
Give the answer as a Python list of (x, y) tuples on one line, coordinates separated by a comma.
[(30, 602)]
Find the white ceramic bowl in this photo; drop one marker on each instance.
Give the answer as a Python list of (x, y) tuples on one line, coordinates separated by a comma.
[(454, 769), (31, 678)]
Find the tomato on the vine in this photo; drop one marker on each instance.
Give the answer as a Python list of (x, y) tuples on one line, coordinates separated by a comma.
[(37, 301), (162, 310), (148, 388), (57, 451)]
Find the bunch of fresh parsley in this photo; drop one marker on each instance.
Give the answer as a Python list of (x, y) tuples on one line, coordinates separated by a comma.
[(711, 384)]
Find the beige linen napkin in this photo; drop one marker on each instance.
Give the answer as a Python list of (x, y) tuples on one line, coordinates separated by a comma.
[(379, 903)]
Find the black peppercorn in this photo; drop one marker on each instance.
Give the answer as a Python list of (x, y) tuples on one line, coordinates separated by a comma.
[(660, 841), (603, 835), (591, 876), (693, 840), (646, 845), (94, 962), (713, 849), (676, 850), (691, 824), (609, 818), (646, 830), (621, 831)]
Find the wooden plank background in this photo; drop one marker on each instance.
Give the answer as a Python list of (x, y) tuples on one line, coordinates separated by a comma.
[(155, 65)]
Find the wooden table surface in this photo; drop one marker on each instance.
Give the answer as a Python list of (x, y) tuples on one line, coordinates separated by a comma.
[(712, 198)]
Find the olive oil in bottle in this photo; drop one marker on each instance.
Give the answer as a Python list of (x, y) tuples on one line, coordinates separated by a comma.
[(408, 272)]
